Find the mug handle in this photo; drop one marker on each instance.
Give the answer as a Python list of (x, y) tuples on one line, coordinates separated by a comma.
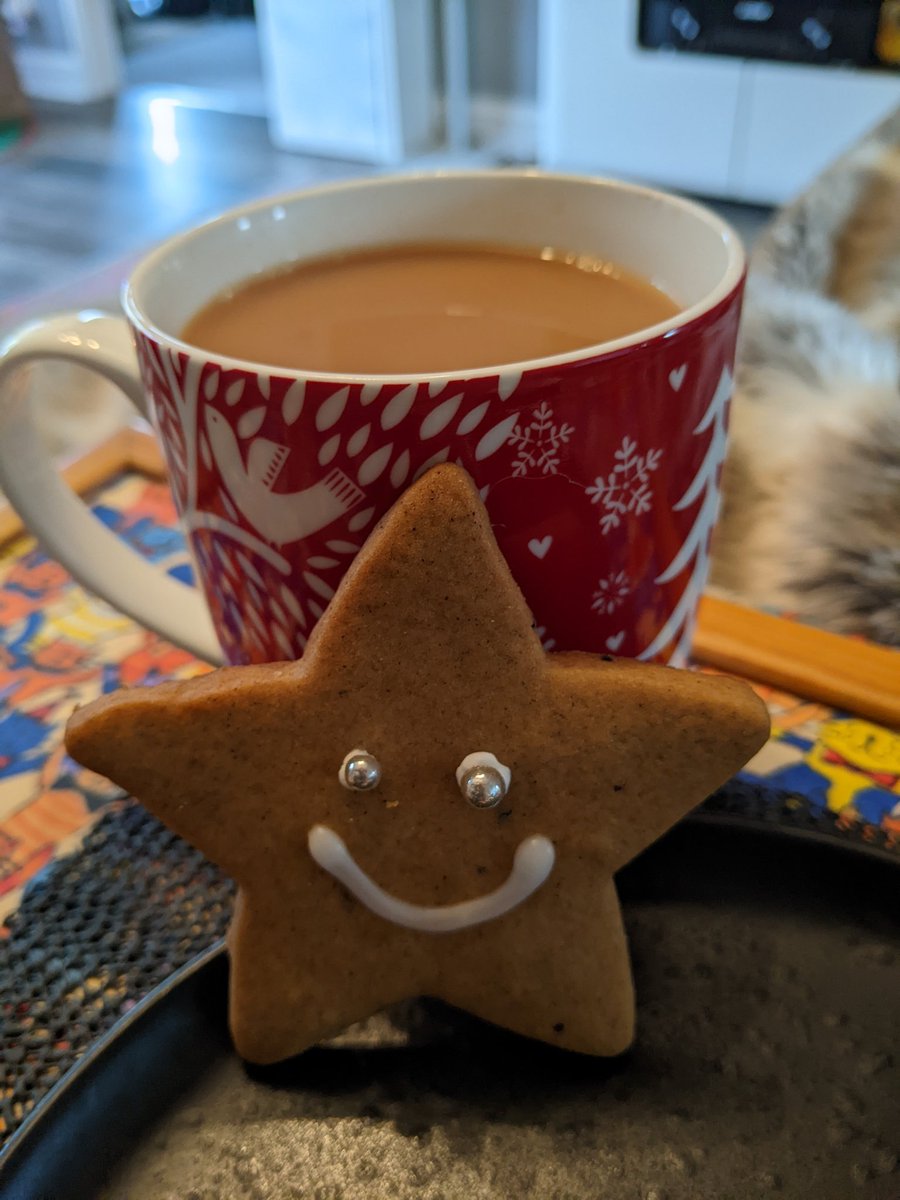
[(62, 522)]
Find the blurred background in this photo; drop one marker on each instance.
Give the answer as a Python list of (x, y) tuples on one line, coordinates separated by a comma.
[(123, 120)]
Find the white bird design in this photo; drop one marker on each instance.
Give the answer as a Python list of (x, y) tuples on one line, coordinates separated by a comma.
[(278, 517)]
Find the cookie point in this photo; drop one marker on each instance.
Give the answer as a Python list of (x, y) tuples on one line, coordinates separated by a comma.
[(451, 480)]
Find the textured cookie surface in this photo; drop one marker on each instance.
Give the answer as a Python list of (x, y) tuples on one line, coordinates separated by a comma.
[(425, 655)]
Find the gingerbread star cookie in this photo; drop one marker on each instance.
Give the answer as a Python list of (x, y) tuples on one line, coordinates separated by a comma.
[(426, 803)]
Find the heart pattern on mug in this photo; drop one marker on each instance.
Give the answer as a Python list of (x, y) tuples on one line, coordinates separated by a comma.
[(540, 546), (613, 643), (676, 377)]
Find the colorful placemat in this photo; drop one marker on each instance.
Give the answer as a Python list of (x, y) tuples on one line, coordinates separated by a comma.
[(837, 762), (60, 647)]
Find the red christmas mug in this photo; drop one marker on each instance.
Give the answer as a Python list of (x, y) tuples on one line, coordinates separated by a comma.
[(599, 468)]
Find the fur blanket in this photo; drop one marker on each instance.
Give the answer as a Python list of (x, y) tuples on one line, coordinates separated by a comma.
[(811, 511)]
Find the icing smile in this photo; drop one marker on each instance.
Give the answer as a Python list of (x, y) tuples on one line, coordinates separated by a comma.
[(533, 862)]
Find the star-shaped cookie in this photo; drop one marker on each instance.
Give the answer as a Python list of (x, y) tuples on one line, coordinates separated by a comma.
[(426, 655)]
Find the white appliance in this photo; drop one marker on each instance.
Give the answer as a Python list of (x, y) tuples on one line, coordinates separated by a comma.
[(350, 78), (724, 126), (65, 50)]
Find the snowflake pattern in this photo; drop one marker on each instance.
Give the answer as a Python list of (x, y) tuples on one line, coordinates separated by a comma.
[(539, 442), (626, 489), (611, 593)]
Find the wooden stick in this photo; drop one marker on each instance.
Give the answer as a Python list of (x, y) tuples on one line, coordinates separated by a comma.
[(144, 454), (838, 671)]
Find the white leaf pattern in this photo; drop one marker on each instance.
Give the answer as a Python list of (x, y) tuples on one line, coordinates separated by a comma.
[(400, 470), (321, 563), (292, 404), (256, 619), (495, 438), (283, 641), (436, 387), (368, 393), (248, 568), (439, 418), (250, 422), (330, 410), (318, 585), (233, 392), (329, 449), (292, 604), (374, 465), (398, 407), (211, 384), (264, 384), (474, 418), (227, 505), (360, 520), (507, 383), (357, 440), (156, 368), (340, 547)]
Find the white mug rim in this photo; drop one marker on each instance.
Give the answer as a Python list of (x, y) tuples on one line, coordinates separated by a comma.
[(731, 279)]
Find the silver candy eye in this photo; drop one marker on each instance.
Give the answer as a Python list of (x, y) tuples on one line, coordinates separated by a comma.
[(360, 771), (483, 779)]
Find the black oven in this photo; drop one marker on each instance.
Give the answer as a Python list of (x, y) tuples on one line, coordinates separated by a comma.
[(861, 33)]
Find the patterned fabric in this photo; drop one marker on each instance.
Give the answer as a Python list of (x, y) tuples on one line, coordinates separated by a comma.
[(60, 647), (839, 763)]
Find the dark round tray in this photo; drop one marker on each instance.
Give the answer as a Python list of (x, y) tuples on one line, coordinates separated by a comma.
[(765, 1065)]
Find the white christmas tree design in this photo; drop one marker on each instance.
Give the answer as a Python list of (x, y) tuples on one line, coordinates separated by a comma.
[(539, 443), (694, 552), (626, 489)]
